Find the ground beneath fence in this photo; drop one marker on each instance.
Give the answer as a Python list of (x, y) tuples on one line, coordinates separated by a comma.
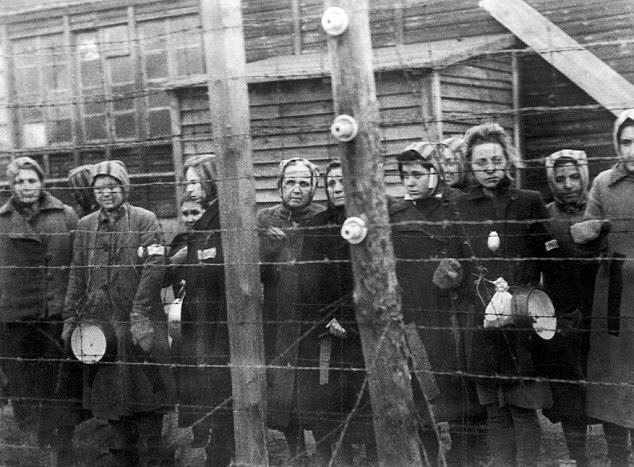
[(91, 440)]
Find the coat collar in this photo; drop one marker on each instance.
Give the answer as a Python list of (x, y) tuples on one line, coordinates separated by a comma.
[(618, 173), (301, 216), (47, 202), (509, 192)]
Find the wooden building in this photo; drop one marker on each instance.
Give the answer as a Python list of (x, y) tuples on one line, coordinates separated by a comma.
[(126, 79)]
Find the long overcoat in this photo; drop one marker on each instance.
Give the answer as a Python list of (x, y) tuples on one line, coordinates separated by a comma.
[(280, 312), (519, 217), (331, 376), (205, 334), (569, 283), (421, 238), (112, 282), (610, 363), (35, 252)]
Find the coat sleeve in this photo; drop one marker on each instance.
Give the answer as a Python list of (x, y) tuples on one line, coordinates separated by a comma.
[(76, 290), (151, 280), (540, 243), (594, 208)]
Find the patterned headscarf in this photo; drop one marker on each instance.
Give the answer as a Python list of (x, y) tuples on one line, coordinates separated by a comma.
[(115, 169), (580, 159), (80, 182)]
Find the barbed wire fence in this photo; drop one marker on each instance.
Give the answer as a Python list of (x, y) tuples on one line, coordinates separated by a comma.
[(270, 128)]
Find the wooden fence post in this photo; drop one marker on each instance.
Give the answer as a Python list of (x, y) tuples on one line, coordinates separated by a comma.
[(229, 106), (376, 299)]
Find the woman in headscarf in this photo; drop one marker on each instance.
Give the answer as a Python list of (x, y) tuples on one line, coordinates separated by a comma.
[(610, 396), (205, 393), (80, 183), (452, 152), (115, 281), (281, 237), (570, 285), (508, 252), (422, 236), (330, 344)]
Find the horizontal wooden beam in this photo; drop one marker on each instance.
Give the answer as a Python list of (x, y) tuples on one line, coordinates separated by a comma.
[(438, 54), (599, 80)]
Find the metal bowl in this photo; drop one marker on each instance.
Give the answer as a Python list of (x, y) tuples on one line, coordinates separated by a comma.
[(532, 307)]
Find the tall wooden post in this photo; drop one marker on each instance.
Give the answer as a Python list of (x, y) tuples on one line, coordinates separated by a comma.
[(377, 301), (229, 105)]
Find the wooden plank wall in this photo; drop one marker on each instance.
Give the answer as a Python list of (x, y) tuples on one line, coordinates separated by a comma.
[(477, 91), (292, 118), (607, 30)]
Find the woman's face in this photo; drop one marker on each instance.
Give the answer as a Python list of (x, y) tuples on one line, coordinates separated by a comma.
[(417, 180), (27, 186), (193, 185), (334, 186), (568, 183), (297, 186), (451, 169), (108, 192), (488, 164), (626, 147), (191, 211)]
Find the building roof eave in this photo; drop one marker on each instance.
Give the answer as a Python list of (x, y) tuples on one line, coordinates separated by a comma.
[(431, 55)]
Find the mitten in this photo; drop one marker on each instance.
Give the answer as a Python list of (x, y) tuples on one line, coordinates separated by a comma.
[(141, 331), (586, 231), (448, 274)]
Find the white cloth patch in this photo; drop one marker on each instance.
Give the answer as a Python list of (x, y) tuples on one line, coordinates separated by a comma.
[(209, 253), (155, 250), (551, 245)]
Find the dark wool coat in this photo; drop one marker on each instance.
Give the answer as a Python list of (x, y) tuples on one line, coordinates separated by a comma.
[(611, 345), (204, 330), (502, 351), (421, 239), (570, 285), (40, 250), (32, 296), (110, 283), (331, 373), (280, 311)]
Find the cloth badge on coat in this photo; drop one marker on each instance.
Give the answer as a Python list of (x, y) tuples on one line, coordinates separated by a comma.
[(551, 245), (209, 253), (156, 250), (151, 250)]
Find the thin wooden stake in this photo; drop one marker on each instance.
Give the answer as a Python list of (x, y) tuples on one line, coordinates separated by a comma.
[(229, 106), (377, 301)]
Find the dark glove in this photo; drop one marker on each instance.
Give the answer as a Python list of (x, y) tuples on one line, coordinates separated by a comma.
[(142, 332), (448, 274), (587, 231)]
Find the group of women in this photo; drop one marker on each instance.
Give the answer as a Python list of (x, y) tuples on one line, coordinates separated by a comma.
[(466, 240)]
